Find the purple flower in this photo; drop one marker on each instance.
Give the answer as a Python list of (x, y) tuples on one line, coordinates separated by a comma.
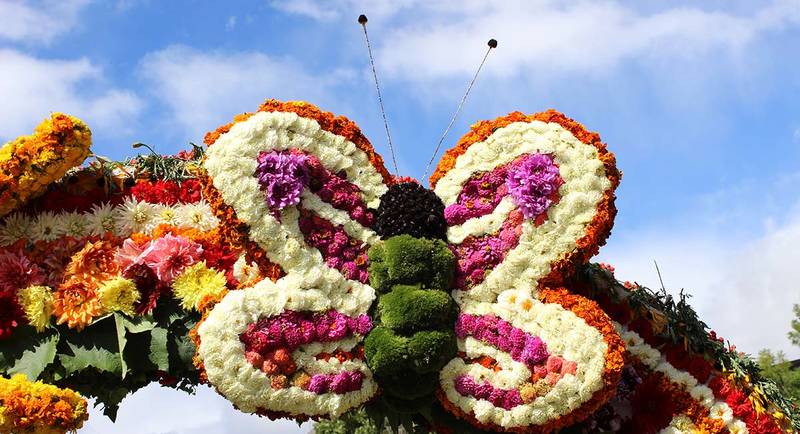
[(282, 176), (532, 181), (319, 384)]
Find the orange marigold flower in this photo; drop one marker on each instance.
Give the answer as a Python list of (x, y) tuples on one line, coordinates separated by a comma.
[(76, 304)]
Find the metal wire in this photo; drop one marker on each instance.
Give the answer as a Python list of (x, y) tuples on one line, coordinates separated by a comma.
[(458, 110), (378, 90)]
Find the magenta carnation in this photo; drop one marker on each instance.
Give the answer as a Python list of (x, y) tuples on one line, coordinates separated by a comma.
[(533, 183), (282, 176)]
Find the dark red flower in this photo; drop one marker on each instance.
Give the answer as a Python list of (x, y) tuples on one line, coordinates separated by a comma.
[(150, 288), (11, 315), (652, 407)]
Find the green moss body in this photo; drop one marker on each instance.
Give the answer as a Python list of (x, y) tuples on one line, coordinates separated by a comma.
[(413, 338)]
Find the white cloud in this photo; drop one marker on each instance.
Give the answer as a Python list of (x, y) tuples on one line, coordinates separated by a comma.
[(537, 36), (32, 88), (445, 38), (231, 23), (205, 89), (29, 21), (157, 410), (742, 288)]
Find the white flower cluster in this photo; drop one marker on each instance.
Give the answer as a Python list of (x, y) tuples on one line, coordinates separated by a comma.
[(120, 220), (565, 334), (248, 388), (654, 360), (585, 183), (232, 162)]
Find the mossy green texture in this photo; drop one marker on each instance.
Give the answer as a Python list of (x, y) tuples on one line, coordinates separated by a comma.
[(409, 309), (413, 338), (404, 259)]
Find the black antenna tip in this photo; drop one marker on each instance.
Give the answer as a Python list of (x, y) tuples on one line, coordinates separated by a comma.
[(492, 42), (362, 19)]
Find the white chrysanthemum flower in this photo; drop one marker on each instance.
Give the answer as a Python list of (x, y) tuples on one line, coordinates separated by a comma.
[(721, 411), (197, 215), (244, 271), (167, 215), (45, 227), (72, 224), (738, 427), (134, 216), (101, 219), (14, 228)]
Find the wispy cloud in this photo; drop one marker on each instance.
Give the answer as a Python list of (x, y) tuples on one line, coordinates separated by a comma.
[(742, 287), (38, 21), (203, 89), (32, 87)]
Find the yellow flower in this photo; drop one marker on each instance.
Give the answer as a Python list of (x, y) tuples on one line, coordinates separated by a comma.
[(37, 302), (196, 283), (119, 294), (33, 162)]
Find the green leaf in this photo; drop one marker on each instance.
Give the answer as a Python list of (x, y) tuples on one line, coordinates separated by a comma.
[(119, 322), (139, 324), (159, 352), (31, 361), (96, 357)]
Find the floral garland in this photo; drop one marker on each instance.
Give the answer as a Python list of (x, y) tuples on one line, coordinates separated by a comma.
[(38, 408), (30, 163)]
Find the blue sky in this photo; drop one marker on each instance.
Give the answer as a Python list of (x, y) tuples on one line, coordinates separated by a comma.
[(700, 102)]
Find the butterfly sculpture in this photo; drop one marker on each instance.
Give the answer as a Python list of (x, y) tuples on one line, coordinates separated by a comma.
[(283, 265)]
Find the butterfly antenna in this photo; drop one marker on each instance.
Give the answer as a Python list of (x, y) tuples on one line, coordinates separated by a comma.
[(492, 44), (362, 19)]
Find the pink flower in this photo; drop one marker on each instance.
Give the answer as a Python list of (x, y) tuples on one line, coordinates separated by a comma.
[(17, 272), (130, 253), (169, 255)]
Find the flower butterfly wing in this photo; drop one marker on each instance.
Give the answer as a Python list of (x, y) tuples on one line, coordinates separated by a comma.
[(301, 186), (527, 199)]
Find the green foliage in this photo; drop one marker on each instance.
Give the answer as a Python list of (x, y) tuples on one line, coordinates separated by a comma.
[(408, 309), (775, 367), (407, 260), (111, 358), (29, 352), (794, 334), (354, 422)]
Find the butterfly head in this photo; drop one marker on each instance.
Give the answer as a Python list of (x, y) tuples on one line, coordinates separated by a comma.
[(409, 208)]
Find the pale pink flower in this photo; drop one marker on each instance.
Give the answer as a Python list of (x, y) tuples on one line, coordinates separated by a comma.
[(130, 254), (169, 255)]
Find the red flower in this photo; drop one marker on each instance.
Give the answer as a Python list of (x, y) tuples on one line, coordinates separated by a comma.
[(11, 315), (163, 192), (652, 407), (190, 191), (148, 285)]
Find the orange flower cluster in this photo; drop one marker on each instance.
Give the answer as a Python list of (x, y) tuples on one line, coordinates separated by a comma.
[(339, 125), (39, 408), (76, 301), (600, 227), (28, 164)]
